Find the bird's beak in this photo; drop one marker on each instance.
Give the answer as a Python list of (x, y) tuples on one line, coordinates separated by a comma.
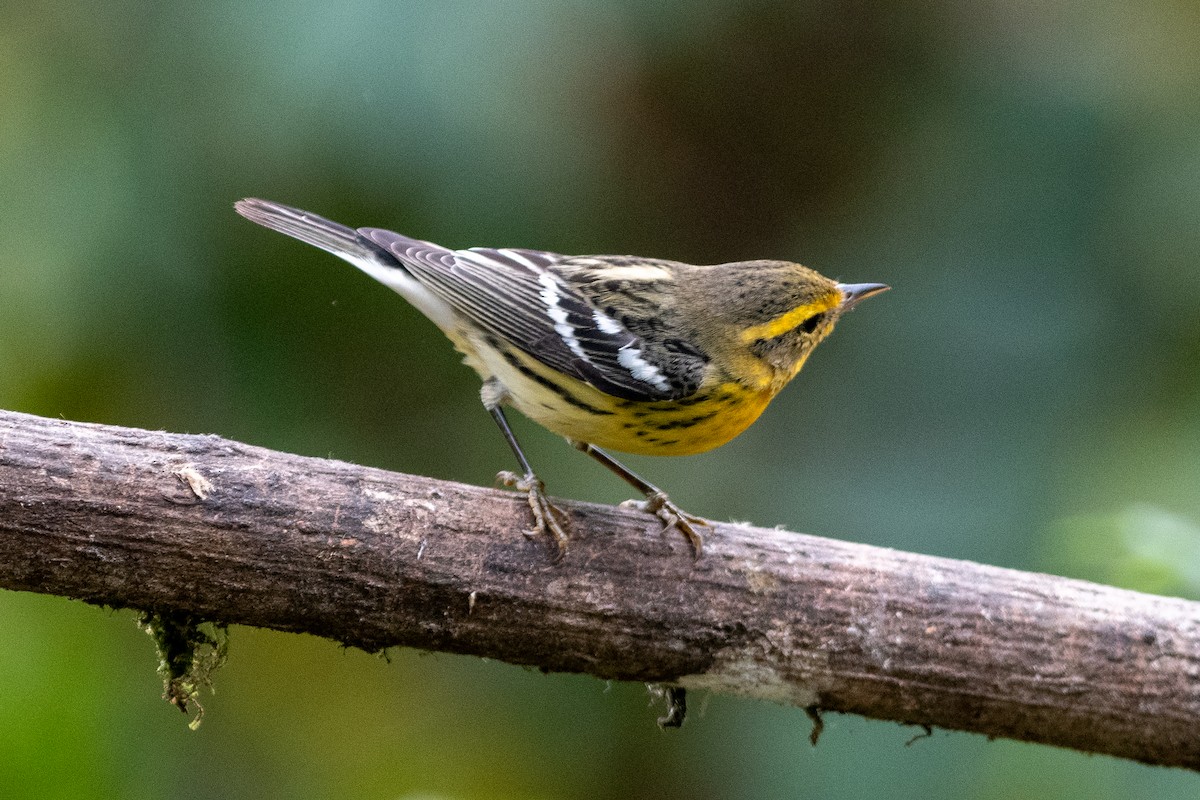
[(855, 293)]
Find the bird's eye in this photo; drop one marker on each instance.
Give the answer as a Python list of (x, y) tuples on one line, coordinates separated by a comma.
[(812, 323)]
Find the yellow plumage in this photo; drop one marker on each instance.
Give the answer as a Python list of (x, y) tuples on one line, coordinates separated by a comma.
[(707, 419)]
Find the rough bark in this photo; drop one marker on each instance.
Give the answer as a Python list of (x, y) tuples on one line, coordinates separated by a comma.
[(239, 534)]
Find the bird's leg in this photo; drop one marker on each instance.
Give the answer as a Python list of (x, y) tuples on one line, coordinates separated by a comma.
[(547, 517), (656, 502)]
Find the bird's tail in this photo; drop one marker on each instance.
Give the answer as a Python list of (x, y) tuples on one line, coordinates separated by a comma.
[(346, 243), (311, 228)]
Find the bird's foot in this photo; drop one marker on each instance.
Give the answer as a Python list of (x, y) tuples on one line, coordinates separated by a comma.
[(672, 516), (547, 518)]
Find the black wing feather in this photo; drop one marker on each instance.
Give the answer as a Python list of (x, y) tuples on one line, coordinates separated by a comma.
[(504, 291)]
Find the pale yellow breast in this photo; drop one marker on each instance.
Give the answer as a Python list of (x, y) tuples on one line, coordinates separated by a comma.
[(583, 413)]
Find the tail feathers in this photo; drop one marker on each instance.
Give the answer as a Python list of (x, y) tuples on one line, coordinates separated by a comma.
[(348, 244), (313, 229)]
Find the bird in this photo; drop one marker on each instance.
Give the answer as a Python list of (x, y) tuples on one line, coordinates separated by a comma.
[(640, 355)]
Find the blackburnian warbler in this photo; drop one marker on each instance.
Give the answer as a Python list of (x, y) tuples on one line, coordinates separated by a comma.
[(641, 355)]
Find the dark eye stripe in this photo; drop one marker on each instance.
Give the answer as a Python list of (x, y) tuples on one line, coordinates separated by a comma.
[(812, 323)]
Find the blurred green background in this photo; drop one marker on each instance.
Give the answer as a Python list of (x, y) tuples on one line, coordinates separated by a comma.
[(1026, 175)]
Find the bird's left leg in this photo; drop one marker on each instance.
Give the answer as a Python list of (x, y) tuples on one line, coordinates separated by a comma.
[(656, 501)]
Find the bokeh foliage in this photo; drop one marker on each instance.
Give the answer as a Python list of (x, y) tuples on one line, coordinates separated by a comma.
[(1026, 175)]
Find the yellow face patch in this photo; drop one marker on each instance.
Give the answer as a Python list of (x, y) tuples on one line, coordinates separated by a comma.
[(789, 319)]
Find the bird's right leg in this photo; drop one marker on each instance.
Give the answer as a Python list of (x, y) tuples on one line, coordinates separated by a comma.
[(547, 517)]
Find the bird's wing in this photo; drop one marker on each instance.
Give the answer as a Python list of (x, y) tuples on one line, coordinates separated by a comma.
[(521, 297)]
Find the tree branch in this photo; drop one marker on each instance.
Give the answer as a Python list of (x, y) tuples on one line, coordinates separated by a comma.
[(225, 531)]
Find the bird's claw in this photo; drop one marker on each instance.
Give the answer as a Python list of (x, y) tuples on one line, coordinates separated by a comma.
[(547, 517), (672, 516)]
